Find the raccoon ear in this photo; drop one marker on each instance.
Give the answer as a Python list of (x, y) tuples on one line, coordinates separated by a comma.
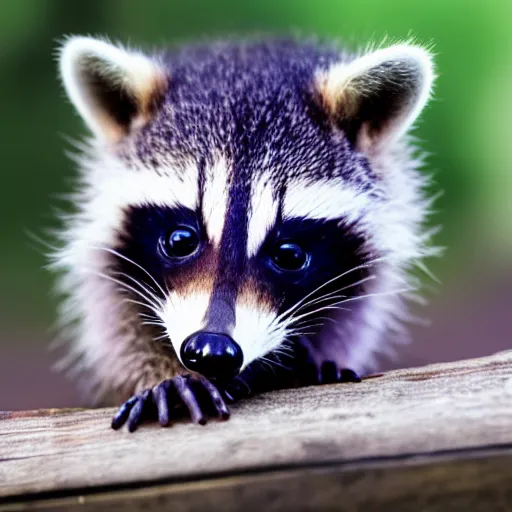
[(376, 97), (113, 89)]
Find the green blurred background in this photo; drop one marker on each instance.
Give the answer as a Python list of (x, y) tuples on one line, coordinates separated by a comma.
[(467, 129)]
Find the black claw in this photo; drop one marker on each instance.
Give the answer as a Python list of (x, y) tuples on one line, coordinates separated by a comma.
[(229, 399), (182, 384), (191, 393), (161, 397), (348, 375), (137, 413), (218, 402), (122, 414), (329, 372), (237, 389)]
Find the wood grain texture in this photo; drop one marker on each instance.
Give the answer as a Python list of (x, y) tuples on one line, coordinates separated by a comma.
[(394, 435), (480, 484)]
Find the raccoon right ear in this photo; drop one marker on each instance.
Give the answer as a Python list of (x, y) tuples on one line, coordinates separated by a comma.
[(375, 98), (113, 89)]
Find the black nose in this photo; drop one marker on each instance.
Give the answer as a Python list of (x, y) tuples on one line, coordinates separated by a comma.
[(213, 355)]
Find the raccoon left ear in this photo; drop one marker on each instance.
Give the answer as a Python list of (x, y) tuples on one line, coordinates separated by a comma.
[(376, 98), (113, 89)]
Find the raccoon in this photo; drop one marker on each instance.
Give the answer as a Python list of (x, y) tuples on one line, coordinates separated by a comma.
[(246, 218)]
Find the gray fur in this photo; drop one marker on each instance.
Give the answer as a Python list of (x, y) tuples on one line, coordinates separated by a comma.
[(249, 101)]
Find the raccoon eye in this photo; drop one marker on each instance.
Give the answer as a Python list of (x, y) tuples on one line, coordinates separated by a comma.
[(288, 256), (181, 242)]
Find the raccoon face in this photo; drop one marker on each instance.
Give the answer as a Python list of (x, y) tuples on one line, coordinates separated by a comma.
[(223, 306), (234, 187)]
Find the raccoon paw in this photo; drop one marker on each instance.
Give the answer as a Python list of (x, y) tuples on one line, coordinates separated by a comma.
[(327, 373), (237, 389), (260, 378), (194, 392), (330, 373)]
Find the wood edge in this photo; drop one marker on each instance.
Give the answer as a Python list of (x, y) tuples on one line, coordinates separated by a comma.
[(433, 370), (499, 454)]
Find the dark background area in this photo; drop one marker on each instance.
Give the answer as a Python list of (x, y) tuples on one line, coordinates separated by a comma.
[(466, 129)]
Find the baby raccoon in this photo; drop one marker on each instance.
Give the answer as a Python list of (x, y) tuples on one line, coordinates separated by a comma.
[(245, 219)]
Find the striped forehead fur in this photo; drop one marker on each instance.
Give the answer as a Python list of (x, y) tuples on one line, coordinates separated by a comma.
[(115, 186), (215, 198), (325, 199), (111, 187), (263, 212)]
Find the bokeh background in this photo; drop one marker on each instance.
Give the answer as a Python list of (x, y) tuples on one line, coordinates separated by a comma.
[(467, 130)]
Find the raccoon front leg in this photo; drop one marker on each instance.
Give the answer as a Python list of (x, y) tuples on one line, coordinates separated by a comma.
[(163, 390), (327, 372), (295, 369), (166, 401), (259, 377), (272, 373), (314, 367), (316, 371)]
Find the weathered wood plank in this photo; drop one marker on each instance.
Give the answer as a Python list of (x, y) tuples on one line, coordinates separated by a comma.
[(448, 412), (437, 483)]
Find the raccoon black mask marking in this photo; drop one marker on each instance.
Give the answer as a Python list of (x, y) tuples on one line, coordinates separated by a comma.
[(240, 205), (299, 256)]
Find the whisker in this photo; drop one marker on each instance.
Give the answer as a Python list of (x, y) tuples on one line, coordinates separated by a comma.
[(324, 298), (271, 363), (266, 362), (143, 304), (379, 294), (350, 299), (285, 349), (331, 295), (161, 337), (127, 287), (122, 256), (371, 277), (301, 333), (295, 328), (158, 324), (149, 317), (135, 281), (353, 269), (323, 308), (323, 318)]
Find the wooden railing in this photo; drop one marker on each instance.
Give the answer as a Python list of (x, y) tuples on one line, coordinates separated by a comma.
[(431, 438)]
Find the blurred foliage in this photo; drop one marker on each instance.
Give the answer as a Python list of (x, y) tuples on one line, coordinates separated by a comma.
[(466, 129)]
